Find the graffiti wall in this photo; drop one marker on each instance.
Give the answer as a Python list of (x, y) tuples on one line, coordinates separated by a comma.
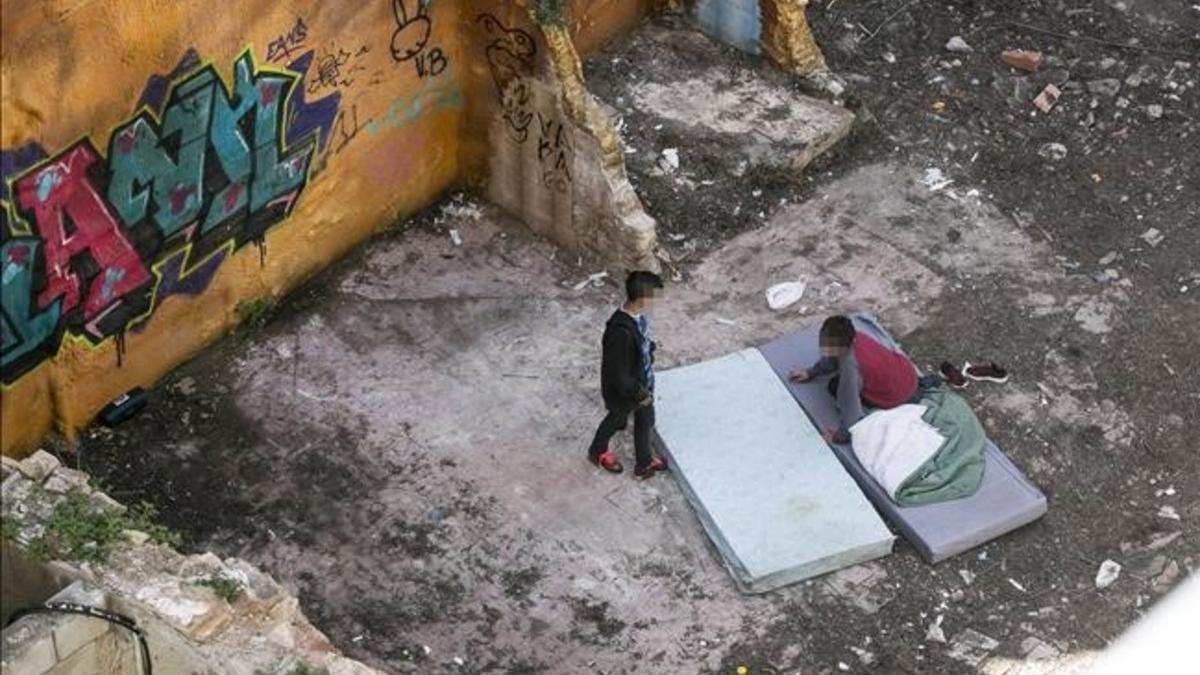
[(158, 172), (162, 164)]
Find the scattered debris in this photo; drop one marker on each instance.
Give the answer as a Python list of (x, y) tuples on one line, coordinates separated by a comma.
[(1154, 111), (725, 322), (968, 576), (1016, 585), (1045, 101), (1054, 152), (1165, 580), (971, 647), (1108, 87), (787, 293), (594, 280), (1107, 276), (1108, 573), (455, 237), (935, 633), (1108, 258), (1022, 59), (461, 209), (842, 666), (1034, 649), (866, 657), (935, 180), (670, 160), (1168, 512), (958, 45), (1152, 236), (889, 57)]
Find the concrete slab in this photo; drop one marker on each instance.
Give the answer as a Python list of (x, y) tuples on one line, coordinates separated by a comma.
[(764, 119), (769, 492)]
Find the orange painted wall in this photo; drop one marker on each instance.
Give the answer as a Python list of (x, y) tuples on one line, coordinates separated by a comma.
[(401, 102), (72, 70), (594, 22)]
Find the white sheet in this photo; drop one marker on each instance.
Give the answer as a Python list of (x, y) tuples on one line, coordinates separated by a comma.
[(892, 444)]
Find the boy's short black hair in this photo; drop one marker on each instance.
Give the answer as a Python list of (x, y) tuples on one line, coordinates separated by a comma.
[(641, 284), (837, 331)]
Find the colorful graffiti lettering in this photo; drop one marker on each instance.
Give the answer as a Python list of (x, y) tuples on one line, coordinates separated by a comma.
[(510, 58), (91, 244)]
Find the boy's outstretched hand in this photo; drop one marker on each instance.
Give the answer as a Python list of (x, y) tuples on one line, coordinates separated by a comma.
[(799, 376)]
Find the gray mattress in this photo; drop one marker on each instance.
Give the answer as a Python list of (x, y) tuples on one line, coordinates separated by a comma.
[(1005, 501), (776, 504)]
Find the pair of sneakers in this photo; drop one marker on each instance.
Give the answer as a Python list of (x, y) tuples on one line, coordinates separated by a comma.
[(608, 461), (959, 378)]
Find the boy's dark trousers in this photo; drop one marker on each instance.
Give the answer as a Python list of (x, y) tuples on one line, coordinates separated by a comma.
[(616, 420)]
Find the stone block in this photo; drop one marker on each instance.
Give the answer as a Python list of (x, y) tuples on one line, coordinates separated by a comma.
[(65, 480), (73, 632), (39, 465), (28, 647)]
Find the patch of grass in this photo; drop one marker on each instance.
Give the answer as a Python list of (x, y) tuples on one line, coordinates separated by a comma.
[(77, 530), (227, 589), (549, 12), (9, 529), (255, 313)]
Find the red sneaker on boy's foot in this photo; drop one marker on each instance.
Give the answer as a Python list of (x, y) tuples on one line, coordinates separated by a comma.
[(607, 461), (657, 464)]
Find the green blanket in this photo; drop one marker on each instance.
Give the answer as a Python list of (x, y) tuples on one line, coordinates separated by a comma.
[(956, 470)]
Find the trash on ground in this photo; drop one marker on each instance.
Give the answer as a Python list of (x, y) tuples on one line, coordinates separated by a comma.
[(1152, 236), (594, 280), (935, 180), (1022, 59), (670, 159), (935, 633), (971, 647), (787, 293), (455, 237), (1154, 111), (1108, 573), (958, 45), (1045, 101), (1054, 152), (1168, 512)]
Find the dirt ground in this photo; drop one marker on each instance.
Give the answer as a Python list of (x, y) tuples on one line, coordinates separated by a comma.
[(402, 443)]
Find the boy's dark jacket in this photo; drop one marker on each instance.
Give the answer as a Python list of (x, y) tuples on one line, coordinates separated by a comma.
[(622, 376)]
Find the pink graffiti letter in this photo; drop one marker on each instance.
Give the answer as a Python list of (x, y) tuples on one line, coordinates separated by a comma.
[(72, 218)]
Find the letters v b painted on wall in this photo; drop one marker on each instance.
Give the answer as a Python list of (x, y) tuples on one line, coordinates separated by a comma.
[(91, 242)]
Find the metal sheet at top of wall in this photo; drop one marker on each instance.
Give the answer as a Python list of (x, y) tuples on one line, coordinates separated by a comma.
[(734, 22)]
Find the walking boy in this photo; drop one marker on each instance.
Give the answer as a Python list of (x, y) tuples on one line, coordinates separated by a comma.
[(868, 373), (627, 378)]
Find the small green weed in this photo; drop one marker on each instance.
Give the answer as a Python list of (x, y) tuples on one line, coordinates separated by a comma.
[(303, 668), (77, 530), (9, 529), (548, 12), (255, 313), (227, 589)]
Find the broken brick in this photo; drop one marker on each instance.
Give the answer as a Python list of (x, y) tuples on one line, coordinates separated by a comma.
[(1046, 100), (1022, 59)]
